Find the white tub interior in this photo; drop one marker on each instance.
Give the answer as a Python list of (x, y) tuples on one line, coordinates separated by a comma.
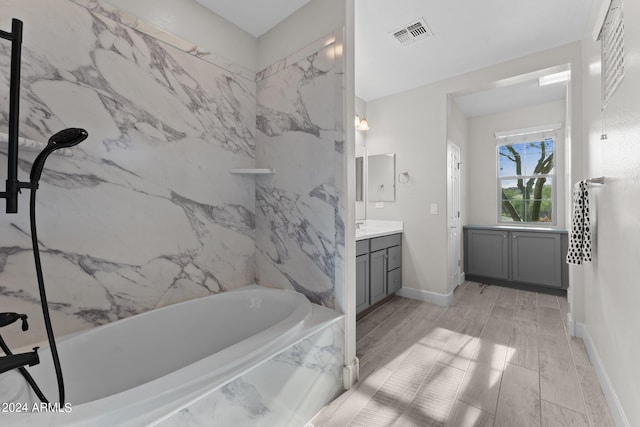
[(123, 355)]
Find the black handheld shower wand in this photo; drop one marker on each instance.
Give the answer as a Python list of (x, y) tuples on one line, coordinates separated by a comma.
[(64, 139)]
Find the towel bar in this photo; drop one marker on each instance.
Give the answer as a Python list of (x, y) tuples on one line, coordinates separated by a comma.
[(599, 180)]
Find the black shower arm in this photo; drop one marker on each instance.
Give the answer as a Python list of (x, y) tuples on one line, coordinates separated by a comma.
[(13, 186)]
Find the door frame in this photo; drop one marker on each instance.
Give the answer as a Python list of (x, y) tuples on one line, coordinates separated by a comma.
[(454, 215)]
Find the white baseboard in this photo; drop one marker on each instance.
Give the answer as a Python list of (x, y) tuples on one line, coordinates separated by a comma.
[(350, 374), (426, 296), (617, 411)]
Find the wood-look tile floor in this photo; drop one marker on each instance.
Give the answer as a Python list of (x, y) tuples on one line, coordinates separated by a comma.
[(497, 357)]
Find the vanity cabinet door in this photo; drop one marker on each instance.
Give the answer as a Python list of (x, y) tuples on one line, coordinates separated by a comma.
[(362, 282), (378, 277), (395, 257), (487, 253), (537, 258), (394, 280)]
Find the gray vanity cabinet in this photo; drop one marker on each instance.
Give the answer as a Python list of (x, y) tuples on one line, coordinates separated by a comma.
[(516, 256), (378, 270)]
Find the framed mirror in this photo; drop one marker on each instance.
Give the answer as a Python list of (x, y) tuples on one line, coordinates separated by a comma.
[(359, 179), (381, 177)]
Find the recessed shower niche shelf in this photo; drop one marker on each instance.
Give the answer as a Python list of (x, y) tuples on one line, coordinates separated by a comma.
[(255, 171)]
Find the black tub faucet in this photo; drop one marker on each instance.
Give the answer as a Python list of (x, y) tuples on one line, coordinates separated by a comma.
[(14, 361), (9, 318)]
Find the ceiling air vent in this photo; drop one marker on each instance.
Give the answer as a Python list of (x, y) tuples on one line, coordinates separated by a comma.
[(415, 31)]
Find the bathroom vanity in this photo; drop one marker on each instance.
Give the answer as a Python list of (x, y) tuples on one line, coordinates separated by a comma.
[(523, 257), (378, 261)]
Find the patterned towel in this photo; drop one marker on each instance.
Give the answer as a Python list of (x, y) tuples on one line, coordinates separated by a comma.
[(580, 243)]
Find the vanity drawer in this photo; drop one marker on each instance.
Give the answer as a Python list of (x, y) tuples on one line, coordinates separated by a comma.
[(362, 247), (384, 242)]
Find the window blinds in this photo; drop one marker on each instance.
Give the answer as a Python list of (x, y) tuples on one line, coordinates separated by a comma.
[(527, 135), (612, 45)]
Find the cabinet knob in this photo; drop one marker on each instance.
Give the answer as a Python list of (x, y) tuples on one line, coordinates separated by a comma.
[(504, 236), (515, 237)]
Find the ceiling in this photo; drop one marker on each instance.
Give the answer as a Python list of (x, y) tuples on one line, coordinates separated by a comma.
[(254, 16), (467, 34), (510, 97)]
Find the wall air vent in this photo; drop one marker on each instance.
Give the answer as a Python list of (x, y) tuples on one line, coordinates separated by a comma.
[(413, 32)]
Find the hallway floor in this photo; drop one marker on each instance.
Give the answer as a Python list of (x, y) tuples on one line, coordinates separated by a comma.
[(497, 357)]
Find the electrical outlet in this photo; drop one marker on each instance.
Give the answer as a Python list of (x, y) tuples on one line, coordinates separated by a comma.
[(379, 205), (434, 209)]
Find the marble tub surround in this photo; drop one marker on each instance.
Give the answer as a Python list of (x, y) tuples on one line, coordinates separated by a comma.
[(122, 17), (299, 209), (145, 212), (368, 228), (286, 390)]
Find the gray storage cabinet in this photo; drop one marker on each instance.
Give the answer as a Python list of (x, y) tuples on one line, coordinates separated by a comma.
[(506, 255), (378, 269)]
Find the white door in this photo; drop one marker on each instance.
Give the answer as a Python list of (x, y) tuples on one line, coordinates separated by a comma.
[(453, 212)]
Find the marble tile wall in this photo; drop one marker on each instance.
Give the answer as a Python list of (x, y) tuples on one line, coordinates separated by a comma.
[(299, 209), (286, 390), (144, 213)]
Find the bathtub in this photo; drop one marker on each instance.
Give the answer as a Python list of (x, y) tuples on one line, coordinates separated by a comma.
[(152, 368)]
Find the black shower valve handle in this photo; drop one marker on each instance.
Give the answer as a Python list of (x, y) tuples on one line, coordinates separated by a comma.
[(9, 318)]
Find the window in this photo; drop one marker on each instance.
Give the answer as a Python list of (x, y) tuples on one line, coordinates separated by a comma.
[(527, 177)]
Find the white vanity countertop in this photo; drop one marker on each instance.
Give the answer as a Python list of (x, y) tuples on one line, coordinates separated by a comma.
[(376, 228)]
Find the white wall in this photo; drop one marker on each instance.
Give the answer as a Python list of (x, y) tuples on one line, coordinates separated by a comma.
[(413, 124), (482, 162), (197, 24), (612, 294), (306, 25)]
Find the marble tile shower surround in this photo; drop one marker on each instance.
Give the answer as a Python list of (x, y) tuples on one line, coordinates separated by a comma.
[(299, 210), (286, 390), (145, 212)]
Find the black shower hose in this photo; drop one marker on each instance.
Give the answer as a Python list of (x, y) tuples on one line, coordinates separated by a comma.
[(45, 311)]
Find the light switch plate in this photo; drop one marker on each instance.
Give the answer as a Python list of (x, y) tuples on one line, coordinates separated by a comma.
[(434, 209)]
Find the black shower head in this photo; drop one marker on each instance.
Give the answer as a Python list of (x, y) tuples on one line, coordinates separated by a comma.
[(64, 139)]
